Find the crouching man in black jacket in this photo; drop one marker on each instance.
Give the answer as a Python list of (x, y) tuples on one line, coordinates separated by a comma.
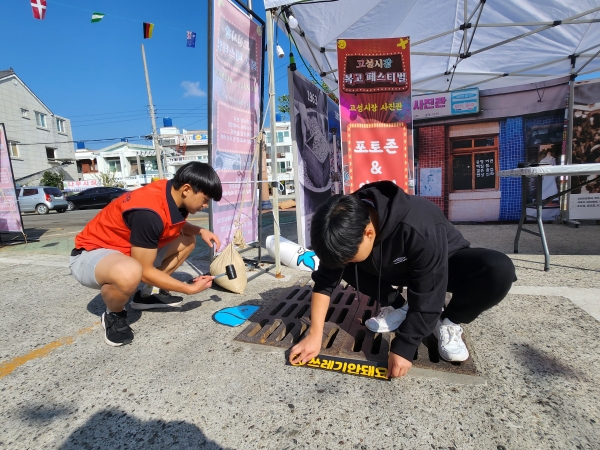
[(380, 239)]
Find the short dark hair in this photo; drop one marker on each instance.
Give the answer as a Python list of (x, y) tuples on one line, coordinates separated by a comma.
[(201, 177), (337, 230)]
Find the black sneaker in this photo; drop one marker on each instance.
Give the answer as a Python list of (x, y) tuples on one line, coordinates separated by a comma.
[(117, 331), (164, 299)]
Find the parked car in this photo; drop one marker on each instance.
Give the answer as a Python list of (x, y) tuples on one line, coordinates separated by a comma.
[(41, 199), (94, 197)]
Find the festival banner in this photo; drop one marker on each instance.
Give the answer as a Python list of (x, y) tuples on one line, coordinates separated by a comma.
[(311, 150), (10, 214), (236, 90), (584, 203), (376, 115)]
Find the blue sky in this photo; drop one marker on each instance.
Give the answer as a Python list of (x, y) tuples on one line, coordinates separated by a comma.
[(92, 73)]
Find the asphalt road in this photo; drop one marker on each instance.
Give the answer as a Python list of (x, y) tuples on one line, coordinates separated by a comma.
[(68, 223)]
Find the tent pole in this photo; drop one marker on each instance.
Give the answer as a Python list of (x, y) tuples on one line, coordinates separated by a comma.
[(569, 155), (275, 184)]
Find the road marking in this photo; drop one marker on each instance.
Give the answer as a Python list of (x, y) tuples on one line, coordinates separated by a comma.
[(33, 263), (585, 298), (10, 366)]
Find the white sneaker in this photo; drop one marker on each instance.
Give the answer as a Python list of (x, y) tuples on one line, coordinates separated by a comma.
[(388, 319), (450, 344)]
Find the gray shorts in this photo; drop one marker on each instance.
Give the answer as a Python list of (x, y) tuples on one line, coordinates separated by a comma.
[(83, 266)]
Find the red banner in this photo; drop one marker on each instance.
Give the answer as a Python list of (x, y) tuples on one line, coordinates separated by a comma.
[(376, 115)]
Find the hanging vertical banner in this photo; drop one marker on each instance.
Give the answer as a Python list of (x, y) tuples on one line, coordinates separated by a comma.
[(376, 115), (10, 214), (236, 89), (584, 203), (333, 119), (311, 150)]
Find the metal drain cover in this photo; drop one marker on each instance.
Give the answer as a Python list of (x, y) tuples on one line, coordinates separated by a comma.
[(345, 338)]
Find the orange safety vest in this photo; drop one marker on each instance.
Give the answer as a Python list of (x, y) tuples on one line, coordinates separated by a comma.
[(109, 230)]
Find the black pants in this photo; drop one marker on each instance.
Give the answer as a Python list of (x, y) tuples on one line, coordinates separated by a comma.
[(478, 279)]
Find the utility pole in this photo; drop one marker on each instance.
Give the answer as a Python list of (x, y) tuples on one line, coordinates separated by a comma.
[(153, 117)]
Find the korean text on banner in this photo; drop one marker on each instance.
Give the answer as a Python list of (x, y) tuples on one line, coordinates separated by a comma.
[(10, 215), (376, 115), (237, 42), (312, 151)]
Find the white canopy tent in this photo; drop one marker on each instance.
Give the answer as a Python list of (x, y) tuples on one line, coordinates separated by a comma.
[(504, 42)]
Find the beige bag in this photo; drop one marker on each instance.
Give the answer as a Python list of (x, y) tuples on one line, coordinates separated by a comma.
[(225, 258)]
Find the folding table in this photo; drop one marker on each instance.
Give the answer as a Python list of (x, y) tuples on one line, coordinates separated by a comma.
[(538, 172)]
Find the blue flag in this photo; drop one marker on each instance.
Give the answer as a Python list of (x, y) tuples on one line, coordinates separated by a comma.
[(191, 39)]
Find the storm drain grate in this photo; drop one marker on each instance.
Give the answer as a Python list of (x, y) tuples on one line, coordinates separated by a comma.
[(286, 321)]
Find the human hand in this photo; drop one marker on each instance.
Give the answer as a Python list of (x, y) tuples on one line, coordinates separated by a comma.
[(199, 284), (397, 366), (305, 350), (209, 237)]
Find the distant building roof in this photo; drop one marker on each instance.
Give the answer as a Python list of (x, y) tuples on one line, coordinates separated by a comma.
[(6, 73)]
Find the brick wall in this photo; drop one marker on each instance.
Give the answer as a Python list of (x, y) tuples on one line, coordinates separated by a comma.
[(512, 151), (432, 153)]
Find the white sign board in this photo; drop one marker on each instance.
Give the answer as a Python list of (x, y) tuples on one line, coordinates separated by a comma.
[(465, 101)]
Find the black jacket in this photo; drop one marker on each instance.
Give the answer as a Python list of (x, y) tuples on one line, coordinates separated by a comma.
[(412, 247)]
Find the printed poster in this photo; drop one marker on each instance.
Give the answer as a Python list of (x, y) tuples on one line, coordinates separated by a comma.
[(311, 150), (236, 77), (376, 115), (10, 214), (430, 182), (584, 203)]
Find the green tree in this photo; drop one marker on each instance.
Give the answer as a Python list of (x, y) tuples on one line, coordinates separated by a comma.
[(108, 180), (51, 178), (283, 104)]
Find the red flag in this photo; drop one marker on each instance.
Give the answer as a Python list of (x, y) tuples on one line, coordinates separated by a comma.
[(39, 9)]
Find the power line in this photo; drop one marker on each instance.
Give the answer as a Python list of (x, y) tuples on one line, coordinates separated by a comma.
[(137, 138)]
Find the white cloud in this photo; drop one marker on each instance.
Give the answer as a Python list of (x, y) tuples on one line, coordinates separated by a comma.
[(192, 89)]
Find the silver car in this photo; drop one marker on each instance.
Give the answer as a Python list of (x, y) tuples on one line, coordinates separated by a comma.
[(41, 199)]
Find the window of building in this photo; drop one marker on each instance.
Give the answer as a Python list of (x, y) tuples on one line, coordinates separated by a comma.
[(40, 119), (60, 125), (474, 164), (286, 134), (24, 113), (13, 148), (115, 165), (268, 136), (50, 153), (281, 165), (280, 136)]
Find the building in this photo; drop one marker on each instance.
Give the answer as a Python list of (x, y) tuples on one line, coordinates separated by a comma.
[(182, 147), (135, 165), (285, 158), (38, 139), (458, 157)]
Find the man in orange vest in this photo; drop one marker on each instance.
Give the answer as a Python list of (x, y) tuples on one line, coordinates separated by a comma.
[(143, 236)]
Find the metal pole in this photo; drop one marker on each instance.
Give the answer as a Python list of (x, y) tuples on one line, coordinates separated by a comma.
[(209, 66), (569, 155), (153, 117), (336, 182), (271, 55)]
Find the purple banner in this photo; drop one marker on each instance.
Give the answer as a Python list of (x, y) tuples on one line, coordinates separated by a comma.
[(236, 78), (10, 215)]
